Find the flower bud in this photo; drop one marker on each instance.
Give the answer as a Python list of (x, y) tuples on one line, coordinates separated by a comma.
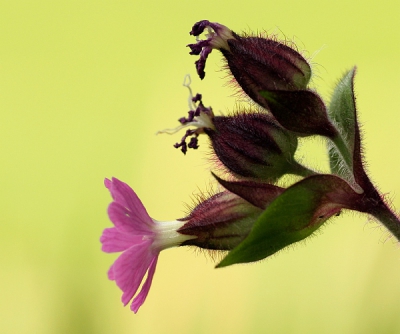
[(257, 193), (271, 73), (300, 111), (257, 63), (253, 145), (221, 222), (248, 144)]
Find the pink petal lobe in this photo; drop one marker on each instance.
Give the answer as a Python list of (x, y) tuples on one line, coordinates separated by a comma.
[(133, 234), (141, 297), (107, 183), (125, 196), (110, 273), (114, 240), (129, 221), (130, 268)]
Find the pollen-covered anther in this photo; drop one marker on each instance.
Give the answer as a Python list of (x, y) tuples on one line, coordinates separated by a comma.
[(199, 118)]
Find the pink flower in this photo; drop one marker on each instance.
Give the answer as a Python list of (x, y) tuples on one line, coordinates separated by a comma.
[(139, 238), (220, 222)]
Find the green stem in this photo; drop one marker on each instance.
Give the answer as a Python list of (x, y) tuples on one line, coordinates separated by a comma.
[(388, 218), (301, 170)]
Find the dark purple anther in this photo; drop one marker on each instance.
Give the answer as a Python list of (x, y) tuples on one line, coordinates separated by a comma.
[(194, 142), (199, 27), (182, 145), (200, 118), (184, 120), (215, 40), (201, 63), (196, 98)]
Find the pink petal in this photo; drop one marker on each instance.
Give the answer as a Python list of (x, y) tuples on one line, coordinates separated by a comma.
[(141, 297), (114, 240), (110, 273), (107, 184), (124, 195), (130, 268), (128, 221)]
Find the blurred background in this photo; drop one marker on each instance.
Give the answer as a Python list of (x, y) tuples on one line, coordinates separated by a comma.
[(84, 87)]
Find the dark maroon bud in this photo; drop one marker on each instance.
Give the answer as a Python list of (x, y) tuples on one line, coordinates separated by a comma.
[(248, 144), (256, 62), (271, 73), (257, 193), (220, 222), (301, 111), (253, 145)]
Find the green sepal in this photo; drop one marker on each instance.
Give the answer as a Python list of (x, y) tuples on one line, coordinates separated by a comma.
[(342, 111), (294, 215)]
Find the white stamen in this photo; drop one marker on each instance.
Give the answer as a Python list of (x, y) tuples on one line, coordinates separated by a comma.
[(187, 82), (200, 122), (203, 121), (210, 33), (219, 40), (172, 131)]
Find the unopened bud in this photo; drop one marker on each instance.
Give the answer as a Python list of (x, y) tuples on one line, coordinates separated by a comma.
[(253, 145), (271, 73), (221, 222), (249, 144), (300, 111), (257, 63)]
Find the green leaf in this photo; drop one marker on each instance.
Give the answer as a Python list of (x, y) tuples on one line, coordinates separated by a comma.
[(342, 111), (291, 217)]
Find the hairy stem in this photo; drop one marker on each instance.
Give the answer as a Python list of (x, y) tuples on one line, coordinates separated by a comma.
[(301, 170), (388, 218)]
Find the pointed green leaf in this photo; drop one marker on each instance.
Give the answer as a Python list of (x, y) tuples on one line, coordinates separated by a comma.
[(291, 217), (342, 111)]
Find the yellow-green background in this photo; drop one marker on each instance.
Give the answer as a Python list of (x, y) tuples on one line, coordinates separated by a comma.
[(84, 86)]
